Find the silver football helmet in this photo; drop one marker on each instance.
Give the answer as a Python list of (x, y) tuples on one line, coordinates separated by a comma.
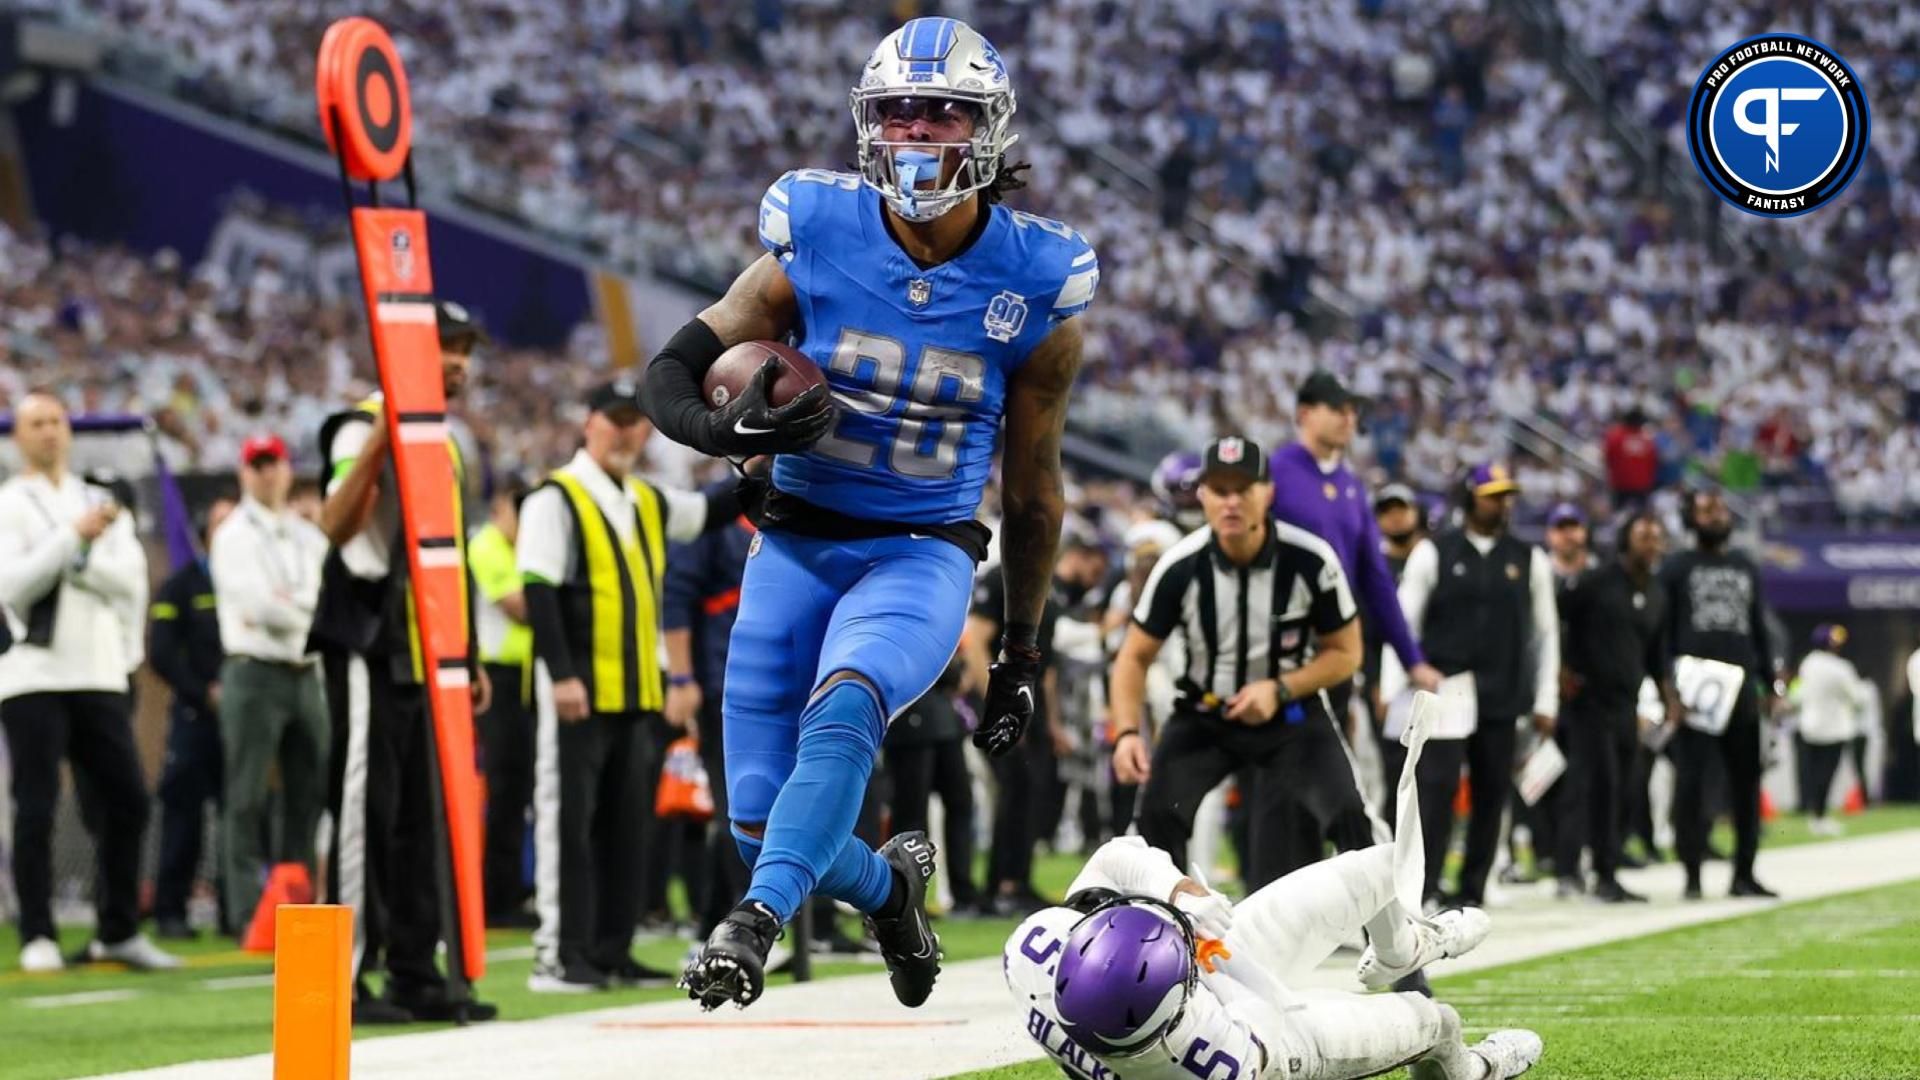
[(939, 69)]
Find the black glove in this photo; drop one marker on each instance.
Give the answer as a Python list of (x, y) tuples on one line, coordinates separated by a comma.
[(748, 425), (1009, 705)]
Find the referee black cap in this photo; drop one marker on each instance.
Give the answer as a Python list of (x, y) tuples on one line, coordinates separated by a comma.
[(1234, 456)]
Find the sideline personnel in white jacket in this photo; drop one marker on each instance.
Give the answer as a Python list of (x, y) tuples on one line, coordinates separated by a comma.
[(70, 564), (1830, 694)]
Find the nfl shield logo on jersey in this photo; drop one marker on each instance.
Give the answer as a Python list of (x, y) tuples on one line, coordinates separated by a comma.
[(1006, 314), (919, 291)]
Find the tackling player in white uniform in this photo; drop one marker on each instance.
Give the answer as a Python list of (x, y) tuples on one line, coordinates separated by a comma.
[(1149, 975)]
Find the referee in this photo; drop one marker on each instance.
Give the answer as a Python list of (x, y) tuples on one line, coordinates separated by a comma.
[(592, 552), (1269, 626)]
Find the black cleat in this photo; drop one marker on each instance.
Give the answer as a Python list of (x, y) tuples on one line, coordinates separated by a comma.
[(911, 948), (1748, 887), (733, 965), (1609, 891)]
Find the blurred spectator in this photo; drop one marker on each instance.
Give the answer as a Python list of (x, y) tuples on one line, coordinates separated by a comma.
[(1633, 459), (506, 728), (69, 562), (265, 567), (1614, 622), (186, 654), (1829, 694)]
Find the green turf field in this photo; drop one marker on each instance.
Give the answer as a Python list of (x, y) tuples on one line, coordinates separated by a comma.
[(1823, 990), (104, 1019)]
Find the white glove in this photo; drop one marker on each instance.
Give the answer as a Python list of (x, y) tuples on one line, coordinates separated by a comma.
[(1212, 914)]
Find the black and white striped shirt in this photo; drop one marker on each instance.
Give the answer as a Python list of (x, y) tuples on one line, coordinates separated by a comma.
[(1292, 591)]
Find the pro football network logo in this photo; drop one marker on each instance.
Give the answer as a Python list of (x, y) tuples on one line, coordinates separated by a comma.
[(1778, 125)]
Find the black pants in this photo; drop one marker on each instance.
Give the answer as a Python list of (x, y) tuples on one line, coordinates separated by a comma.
[(920, 771), (726, 877), (1819, 762), (1636, 805), (189, 783), (506, 757), (1305, 834), (1599, 739), (590, 887), (386, 860), (92, 731), (1739, 748), (1022, 778), (1305, 762), (659, 850), (1488, 757)]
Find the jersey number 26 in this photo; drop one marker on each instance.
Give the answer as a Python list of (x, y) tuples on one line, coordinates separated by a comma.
[(945, 381)]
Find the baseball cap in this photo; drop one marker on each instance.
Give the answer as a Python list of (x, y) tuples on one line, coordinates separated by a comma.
[(1237, 456), (1325, 388), (621, 393), (1491, 479), (258, 447), (1394, 493), (456, 324), (1565, 513)]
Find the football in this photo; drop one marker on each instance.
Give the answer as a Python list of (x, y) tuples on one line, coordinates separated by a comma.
[(734, 372)]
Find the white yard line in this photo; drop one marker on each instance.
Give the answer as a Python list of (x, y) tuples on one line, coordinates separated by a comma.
[(852, 1027), (83, 997)]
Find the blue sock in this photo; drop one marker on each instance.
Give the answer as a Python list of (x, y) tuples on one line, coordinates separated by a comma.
[(749, 847), (809, 842)]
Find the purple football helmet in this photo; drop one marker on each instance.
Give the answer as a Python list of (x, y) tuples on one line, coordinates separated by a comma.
[(1176, 481), (1123, 978)]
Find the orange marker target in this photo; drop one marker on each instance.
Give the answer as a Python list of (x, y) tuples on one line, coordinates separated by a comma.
[(364, 108)]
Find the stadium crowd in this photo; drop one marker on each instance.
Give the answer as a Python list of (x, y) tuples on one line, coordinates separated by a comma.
[(1493, 251)]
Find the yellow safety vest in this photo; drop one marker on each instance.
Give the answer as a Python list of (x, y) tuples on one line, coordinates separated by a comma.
[(490, 559), (623, 582)]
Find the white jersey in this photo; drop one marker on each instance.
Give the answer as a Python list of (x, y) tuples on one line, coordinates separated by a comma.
[(1209, 1041)]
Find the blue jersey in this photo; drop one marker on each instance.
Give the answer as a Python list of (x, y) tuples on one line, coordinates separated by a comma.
[(917, 359)]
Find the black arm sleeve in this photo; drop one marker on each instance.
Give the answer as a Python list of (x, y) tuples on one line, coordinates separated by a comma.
[(673, 386), (549, 630), (723, 507)]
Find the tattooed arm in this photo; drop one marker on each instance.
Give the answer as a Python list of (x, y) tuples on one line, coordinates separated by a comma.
[(1032, 502), (1033, 496)]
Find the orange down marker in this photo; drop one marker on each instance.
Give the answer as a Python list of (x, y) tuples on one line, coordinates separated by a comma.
[(312, 991)]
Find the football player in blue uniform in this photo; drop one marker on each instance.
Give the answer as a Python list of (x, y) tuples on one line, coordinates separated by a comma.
[(936, 314)]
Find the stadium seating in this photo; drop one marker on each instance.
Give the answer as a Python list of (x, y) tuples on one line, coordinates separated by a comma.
[(1455, 228)]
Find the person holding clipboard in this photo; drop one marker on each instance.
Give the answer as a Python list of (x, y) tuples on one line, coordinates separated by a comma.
[(1722, 670)]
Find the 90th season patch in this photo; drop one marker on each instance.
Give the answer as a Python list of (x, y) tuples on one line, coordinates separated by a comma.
[(1777, 125)]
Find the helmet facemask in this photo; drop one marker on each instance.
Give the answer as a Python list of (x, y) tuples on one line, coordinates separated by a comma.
[(899, 169)]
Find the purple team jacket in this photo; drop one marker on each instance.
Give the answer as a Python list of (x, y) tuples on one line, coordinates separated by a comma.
[(1336, 507)]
